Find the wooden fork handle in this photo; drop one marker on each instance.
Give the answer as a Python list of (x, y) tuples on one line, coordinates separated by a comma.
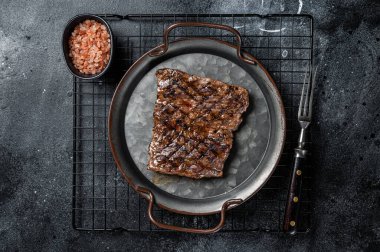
[(291, 220)]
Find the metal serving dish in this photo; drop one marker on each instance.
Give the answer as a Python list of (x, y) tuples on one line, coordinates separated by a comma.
[(257, 144)]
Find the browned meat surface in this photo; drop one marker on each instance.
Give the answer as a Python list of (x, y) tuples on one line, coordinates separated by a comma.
[(194, 120)]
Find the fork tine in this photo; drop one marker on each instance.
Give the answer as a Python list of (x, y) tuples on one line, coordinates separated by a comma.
[(312, 92), (305, 107), (302, 96)]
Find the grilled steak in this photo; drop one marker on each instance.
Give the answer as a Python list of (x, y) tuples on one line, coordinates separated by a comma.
[(194, 120)]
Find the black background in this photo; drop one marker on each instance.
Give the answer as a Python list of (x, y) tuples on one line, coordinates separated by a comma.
[(36, 121)]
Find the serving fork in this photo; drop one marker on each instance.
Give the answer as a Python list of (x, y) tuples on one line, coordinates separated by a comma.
[(291, 220)]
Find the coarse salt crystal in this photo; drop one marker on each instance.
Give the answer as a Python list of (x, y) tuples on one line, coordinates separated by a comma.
[(90, 47)]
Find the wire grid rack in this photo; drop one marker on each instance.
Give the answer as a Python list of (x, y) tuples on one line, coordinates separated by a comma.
[(102, 200)]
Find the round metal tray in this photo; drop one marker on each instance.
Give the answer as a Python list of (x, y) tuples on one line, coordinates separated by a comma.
[(257, 145)]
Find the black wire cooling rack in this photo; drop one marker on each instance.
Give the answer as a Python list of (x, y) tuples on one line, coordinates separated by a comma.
[(103, 201)]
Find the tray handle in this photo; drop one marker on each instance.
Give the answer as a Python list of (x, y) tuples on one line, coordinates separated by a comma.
[(164, 47), (225, 206)]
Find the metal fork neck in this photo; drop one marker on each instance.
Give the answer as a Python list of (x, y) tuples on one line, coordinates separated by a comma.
[(301, 139)]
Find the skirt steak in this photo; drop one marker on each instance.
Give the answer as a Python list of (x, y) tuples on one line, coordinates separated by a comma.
[(194, 119)]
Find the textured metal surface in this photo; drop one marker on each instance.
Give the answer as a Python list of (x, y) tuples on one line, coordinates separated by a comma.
[(122, 154), (250, 141)]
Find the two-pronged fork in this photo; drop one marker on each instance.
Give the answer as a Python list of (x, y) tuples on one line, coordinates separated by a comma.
[(304, 119)]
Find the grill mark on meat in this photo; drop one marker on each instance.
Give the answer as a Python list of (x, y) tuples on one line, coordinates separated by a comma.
[(191, 122), (203, 153), (194, 118)]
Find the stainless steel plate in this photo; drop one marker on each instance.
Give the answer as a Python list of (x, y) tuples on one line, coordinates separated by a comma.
[(250, 141), (258, 142)]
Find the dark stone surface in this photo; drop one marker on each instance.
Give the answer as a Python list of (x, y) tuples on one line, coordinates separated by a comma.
[(35, 130)]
